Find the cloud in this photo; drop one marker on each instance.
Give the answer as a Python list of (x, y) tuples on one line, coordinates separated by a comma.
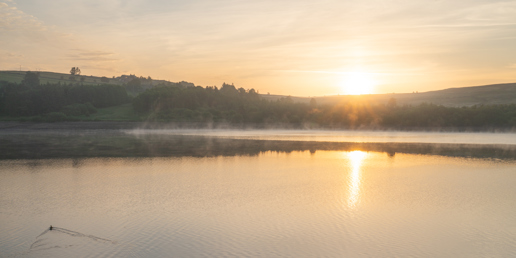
[(91, 55), (34, 45), (22, 29), (250, 41), (11, 55), (12, 19), (491, 12)]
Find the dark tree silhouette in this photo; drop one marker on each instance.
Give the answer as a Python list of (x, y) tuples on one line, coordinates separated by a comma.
[(31, 79), (135, 85), (75, 71), (23, 100)]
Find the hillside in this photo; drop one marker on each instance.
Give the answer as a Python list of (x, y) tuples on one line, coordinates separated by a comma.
[(51, 77), (453, 97), (228, 106)]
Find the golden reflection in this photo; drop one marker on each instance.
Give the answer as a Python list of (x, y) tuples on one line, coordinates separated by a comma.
[(356, 159)]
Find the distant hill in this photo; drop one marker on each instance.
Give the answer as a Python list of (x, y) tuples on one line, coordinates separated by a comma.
[(51, 77), (453, 97)]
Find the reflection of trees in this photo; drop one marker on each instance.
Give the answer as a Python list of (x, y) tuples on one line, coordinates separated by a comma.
[(43, 146)]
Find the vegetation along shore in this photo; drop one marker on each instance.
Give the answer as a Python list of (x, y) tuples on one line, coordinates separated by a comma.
[(185, 105)]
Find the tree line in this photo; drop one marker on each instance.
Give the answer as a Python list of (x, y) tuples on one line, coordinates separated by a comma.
[(245, 107), (182, 103), (30, 98)]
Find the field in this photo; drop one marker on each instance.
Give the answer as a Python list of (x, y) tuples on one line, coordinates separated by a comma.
[(121, 113), (44, 77)]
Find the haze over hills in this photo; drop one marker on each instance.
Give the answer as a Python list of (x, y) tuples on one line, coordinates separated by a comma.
[(453, 97)]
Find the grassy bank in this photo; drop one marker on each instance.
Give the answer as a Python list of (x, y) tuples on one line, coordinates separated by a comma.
[(121, 113)]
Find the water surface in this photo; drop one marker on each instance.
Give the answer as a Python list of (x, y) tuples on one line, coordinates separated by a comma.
[(346, 135), (200, 196)]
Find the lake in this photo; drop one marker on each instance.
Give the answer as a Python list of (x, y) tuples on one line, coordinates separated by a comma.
[(206, 193)]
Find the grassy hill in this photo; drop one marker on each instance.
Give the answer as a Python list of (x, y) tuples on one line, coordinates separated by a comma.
[(228, 105), (51, 77), (453, 97)]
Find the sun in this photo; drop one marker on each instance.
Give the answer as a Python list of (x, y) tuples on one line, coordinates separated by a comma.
[(358, 83)]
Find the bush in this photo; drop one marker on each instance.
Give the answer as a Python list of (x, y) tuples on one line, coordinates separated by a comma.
[(55, 117), (79, 109)]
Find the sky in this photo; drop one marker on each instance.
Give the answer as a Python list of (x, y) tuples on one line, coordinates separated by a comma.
[(288, 47)]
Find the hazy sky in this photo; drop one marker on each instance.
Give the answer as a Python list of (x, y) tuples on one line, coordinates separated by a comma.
[(303, 48)]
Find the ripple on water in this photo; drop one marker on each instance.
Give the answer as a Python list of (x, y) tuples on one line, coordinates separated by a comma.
[(61, 242), (272, 205)]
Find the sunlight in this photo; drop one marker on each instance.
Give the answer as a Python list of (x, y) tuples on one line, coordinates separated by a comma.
[(358, 82), (355, 158)]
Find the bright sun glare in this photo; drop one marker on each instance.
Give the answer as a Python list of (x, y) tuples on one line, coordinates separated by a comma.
[(357, 83)]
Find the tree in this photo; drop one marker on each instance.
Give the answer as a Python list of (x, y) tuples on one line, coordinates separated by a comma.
[(392, 103), (228, 89), (135, 85), (313, 103), (75, 71), (31, 79)]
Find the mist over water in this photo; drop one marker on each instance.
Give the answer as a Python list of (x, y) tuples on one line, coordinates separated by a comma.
[(225, 195), (344, 136)]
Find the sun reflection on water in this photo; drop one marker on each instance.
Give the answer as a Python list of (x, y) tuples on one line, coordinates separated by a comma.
[(356, 159)]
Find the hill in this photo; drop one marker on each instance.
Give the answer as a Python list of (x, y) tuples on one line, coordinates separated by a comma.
[(51, 77), (228, 106), (453, 97)]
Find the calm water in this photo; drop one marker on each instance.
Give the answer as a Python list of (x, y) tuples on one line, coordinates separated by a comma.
[(135, 195), (345, 136)]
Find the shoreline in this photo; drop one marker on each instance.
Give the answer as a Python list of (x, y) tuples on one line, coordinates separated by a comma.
[(14, 126)]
